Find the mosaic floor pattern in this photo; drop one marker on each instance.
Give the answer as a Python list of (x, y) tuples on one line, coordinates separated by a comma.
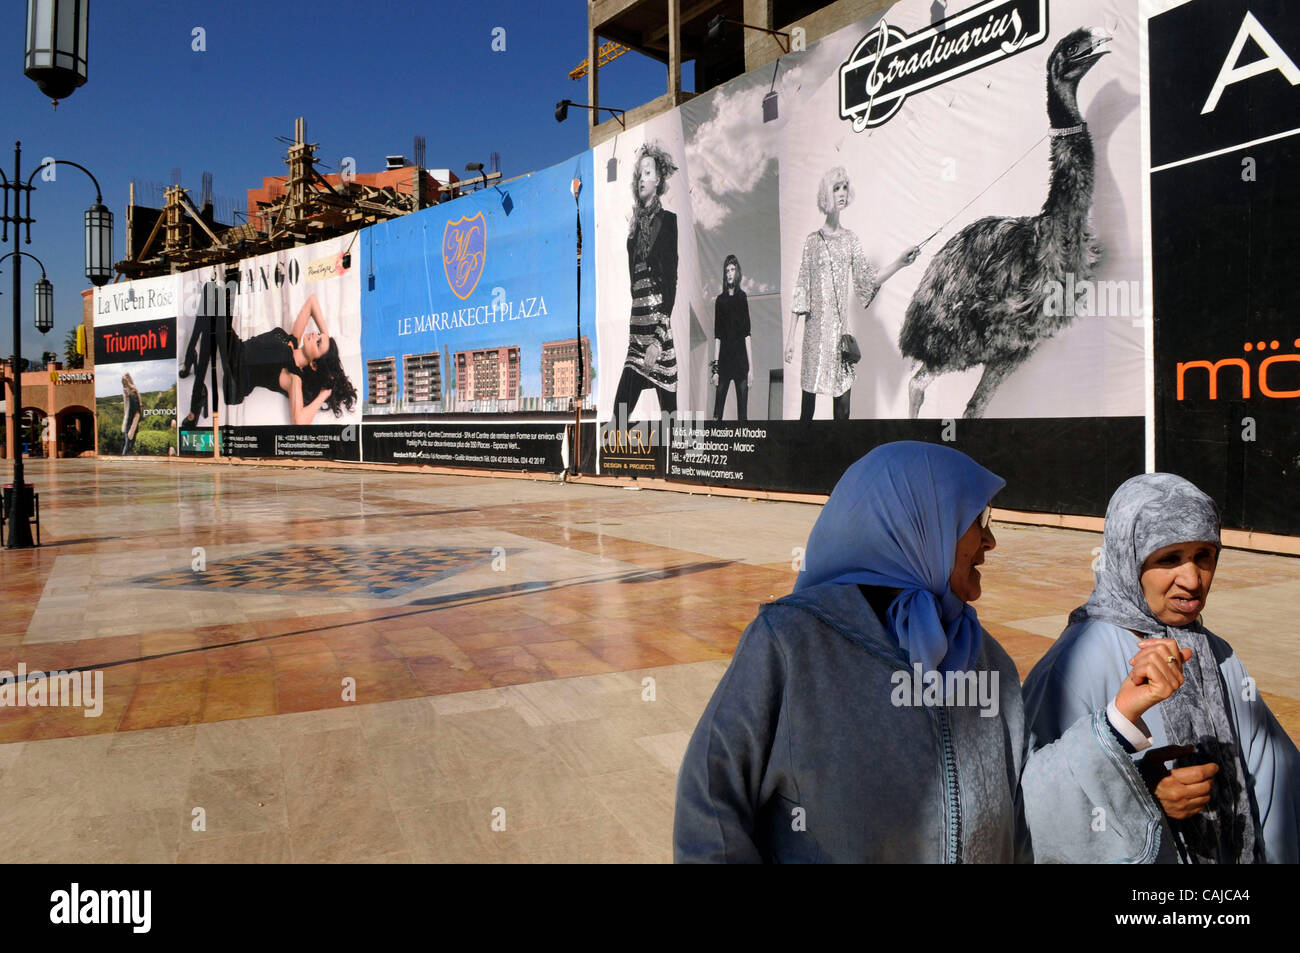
[(326, 569)]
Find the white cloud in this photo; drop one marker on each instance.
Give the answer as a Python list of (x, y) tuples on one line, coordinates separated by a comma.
[(731, 150)]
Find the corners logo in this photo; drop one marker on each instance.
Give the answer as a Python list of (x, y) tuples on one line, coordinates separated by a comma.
[(464, 251)]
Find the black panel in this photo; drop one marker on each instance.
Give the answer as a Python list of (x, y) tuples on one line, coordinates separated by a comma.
[(1224, 258), (315, 442), (1055, 465), (514, 446), (1189, 46)]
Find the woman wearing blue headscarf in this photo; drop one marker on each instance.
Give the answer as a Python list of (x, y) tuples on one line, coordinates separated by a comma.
[(1234, 793), (868, 716)]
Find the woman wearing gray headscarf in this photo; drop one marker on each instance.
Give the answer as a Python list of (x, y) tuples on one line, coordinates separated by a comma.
[(1233, 795)]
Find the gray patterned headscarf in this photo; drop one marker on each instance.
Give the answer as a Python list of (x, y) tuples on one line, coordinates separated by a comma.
[(1148, 513)]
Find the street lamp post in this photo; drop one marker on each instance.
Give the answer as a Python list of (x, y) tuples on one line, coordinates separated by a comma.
[(55, 58), (576, 187), (99, 268)]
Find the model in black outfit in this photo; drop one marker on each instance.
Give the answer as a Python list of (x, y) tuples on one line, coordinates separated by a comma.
[(733, 356), (303, 365), (215, 304)]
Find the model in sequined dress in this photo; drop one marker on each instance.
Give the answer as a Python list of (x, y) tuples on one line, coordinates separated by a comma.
[(833, 269)]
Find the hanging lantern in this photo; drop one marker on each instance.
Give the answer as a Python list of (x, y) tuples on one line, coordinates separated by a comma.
[(55, 56), (44, 305), (99, 245)]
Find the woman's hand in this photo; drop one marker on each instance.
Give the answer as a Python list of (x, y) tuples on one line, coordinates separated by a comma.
[(714, 375), (1181, 792), (1157, 672), (310, 311), (898, 264), (749, 378)]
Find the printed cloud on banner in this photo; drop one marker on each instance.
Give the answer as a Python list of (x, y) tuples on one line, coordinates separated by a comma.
[(729, 153)]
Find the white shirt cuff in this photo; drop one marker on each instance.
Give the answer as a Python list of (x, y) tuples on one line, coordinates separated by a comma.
[(1131, 733)]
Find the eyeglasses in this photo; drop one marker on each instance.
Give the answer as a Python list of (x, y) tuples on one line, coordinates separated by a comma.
[(986, 517)]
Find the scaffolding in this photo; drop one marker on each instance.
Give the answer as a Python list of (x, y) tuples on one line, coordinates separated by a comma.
[(308, 208)]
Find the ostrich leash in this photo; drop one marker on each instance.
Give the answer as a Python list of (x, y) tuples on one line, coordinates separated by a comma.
[(997, 180)]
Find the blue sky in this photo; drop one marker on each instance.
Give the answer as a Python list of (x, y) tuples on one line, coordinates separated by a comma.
[(366, 82)]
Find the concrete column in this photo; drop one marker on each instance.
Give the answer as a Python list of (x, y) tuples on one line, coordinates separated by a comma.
[(593, 82), (757, 13), (674, 50)]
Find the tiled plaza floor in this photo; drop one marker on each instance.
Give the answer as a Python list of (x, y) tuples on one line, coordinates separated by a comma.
[(332, 665)]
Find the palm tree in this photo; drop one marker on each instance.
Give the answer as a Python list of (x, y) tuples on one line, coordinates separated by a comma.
[(71, 359)]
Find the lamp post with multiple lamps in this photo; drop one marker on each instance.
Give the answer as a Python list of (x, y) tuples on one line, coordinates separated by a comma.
[(55, 58)]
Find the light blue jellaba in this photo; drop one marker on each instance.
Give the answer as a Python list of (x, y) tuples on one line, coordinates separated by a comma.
[(1255, 811)]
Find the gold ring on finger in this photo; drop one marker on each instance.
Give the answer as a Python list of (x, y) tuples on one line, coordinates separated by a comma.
[(1170, 659)]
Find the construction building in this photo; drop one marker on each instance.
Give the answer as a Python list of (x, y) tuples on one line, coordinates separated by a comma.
[(677, 31), (305, 206)]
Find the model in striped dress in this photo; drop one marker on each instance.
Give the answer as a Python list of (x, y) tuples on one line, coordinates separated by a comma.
[(652, 269)]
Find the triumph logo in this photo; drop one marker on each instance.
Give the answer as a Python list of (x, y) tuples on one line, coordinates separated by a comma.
[(136, 344), (136, 341), (888, 65)]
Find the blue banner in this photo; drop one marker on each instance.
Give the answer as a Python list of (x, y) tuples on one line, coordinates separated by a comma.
[(471, 306)]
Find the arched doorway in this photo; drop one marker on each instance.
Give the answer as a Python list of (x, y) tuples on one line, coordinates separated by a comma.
[(33, 431), (76, 430)]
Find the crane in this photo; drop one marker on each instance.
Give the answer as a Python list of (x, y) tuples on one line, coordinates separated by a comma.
[(608, 51)]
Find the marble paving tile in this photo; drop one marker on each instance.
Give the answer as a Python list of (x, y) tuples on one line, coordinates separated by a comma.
[(562, 690), (359, 828), (235, 800), (668, 749), (133, 837), (262, 847)]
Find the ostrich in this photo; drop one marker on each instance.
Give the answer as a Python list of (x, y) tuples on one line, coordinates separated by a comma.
[(982, 298)]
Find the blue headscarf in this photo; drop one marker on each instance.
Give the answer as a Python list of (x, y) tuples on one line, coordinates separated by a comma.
[(893, 520)]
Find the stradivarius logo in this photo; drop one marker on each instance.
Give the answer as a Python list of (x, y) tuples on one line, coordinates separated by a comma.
[(888, 64), (77, 906)]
